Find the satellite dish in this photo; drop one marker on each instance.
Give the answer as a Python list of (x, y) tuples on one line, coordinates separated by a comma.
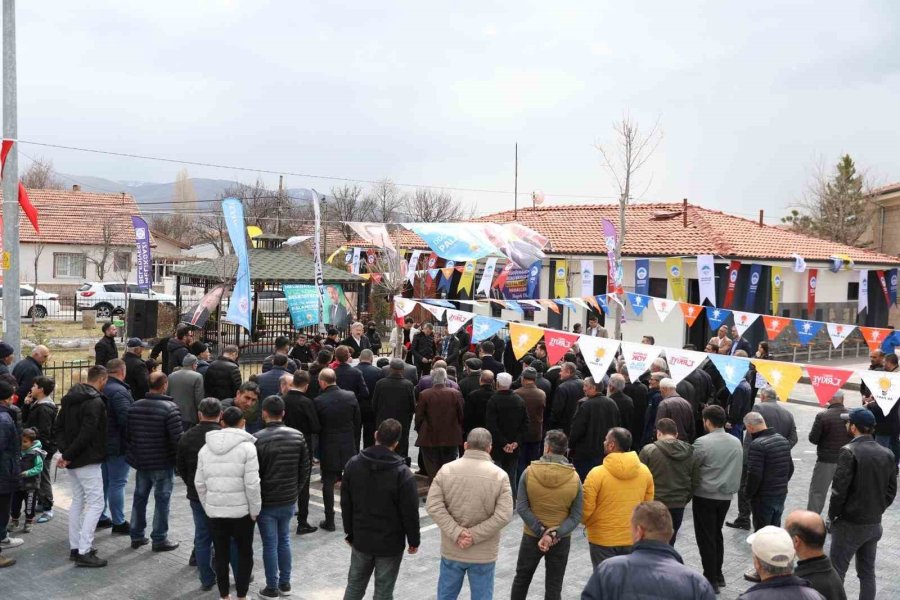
[(537, 197)]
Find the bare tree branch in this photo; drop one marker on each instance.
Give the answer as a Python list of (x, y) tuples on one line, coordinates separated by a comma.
[(427, 205), (385, 201), (40, 175), (348, 204)]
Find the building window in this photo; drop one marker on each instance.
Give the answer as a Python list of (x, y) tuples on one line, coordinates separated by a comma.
[(853, 290), (122, 262), (658, 287), (68, 265)]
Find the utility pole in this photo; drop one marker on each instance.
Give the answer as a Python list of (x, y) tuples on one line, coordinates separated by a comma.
[(516, 187), (11, 307), (278, 210), (620, 241)]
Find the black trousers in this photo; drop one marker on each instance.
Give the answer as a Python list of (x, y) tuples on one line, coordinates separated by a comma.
[(5, 502), (27, 498), (555, 561), (744, 510), (241, 531), (303, 505), (436, 457), (709, 518), (329, 479), (368, 427)]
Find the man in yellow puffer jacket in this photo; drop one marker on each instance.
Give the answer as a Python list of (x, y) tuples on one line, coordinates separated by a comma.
[(611, 491)]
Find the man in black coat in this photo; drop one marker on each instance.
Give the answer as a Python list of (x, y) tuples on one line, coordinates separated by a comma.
[(154, 428), (339, 416), (616, 392), (379, 526), (475, 406), (115, 469), (639, 394), (357, 340), (507, 420), (301, 353), (410, 373), (177, 348), (28, 368), (10, 468), (282, 347), (488, 362), (371, 375), (423, 349), (209, 414), (284, 468), (80, 434), (448, 349), (223, 378), (351, 379), (593, 419), (769, 469), (395, 398), (739, 343), (137, 375), (566, 398), (807, 531), (270, 382), (472, 378), (39, 413), (300, 414), (105, 349)]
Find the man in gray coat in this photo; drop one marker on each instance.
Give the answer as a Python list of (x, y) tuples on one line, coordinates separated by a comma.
[(186, 387)]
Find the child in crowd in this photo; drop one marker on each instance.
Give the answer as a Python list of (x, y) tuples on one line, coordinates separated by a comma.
[(32, 463)]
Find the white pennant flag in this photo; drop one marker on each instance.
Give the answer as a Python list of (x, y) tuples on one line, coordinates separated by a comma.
[(683, 362), (437, 311), (487, 276), (706, 277), (413, 263), (598, 353), (862, 302), (664, 307), (533, 303), (638, 358), (799, 263), (581, 303), (403, 306), (456, 319), (356, 252), (743, 320), (587, 278), (884, 387), (838, 333)]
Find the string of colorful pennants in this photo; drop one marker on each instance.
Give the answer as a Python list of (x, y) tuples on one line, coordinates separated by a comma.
[(598, 353)]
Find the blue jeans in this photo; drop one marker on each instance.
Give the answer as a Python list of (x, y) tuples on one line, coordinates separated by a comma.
[(737, 430), (115, 478), (766, 510), (481, 580), (275, 530), (203, 545), (161, 482)]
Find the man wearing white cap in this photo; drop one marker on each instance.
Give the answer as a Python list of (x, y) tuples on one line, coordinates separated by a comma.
[(773, 557)]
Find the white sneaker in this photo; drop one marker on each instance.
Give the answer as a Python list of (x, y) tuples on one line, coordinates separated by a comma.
[(11, 542)]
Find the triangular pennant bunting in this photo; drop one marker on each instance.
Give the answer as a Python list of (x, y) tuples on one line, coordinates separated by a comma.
[(638, 358), (598, 353), (826, 381), (731, 368), (874, 336), (743, 321), (683, 362), (437, 311), (485, 327), (523, 338), (664, 307), (838, 333), (884, 387), (716, 317), (557, 344), (456, 319), (807, 330), (550, 304), (638, 302), (780, 375), (774, 325), (690, 312)]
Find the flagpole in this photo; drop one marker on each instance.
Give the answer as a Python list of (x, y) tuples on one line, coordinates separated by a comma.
[(516, 187), (11, 250)]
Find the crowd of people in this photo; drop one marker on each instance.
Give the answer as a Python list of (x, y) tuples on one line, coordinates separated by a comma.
[(496, 436)]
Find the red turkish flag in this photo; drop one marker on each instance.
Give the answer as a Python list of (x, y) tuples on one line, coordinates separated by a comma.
[(7, 146), (28, 208), (826, 381), (774, 325), (558, 343), (812, 282), (874, 336), (690, 312)]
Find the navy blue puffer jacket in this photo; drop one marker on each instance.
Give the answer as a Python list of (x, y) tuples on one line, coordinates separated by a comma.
[(154, 428)]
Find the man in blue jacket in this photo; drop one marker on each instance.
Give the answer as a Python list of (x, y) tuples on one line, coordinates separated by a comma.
[(654, 569), (115, 469)]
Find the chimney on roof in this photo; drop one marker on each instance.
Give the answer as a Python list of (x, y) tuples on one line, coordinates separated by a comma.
[(760, 217), (684, 212), (76, 188)]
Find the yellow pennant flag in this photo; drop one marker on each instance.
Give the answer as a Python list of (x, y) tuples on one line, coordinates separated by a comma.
[(561, 281), (675, 271), (335, 253), (467, 277), (777, 283), (252, 232), (523, 338), (781, 376)]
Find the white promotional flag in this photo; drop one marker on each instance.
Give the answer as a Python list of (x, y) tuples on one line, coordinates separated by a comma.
[(838, 333), (863, 301), (598, 353), (884, 387), (356, 252), (437, 311), (664, 307), (403, 306), (587, 278), (706, 277), (487, 276), (743, 320), (799, 263), (411, 267), (638, 358), (456, 319), (683, 362)]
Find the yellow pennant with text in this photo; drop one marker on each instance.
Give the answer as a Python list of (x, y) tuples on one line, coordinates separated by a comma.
[(777, 283), (561, 280), (675, 271), (523, 338), (781, 376), (467, 278)]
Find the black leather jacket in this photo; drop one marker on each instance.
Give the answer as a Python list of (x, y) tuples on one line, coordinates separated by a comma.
[(283, 463), (864, 483)]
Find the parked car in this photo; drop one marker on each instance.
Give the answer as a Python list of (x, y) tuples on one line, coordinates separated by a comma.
[(35, 303), (109, 298)]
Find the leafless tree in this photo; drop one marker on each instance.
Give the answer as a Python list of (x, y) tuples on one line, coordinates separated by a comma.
[(40, 175), (210, 228), (427, 205), (184, 196), (347, 204), (100, 254), (622, 159), (386, 201), (178, 226)]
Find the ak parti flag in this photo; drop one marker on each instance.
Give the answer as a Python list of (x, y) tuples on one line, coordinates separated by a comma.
[(523, 338), (781, 376), (690, 312), (774, 325), (826, 381), (874, 336)]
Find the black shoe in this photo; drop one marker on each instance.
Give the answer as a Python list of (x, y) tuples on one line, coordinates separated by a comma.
[(268, 592), (90, 560), (207, 588), (104, 524), (736, 524), (715, 587), (284, 589), (720, 580), (166, 546), (192, 561), (135, 544), (305, 528), (123, 528), (327, 525), (73, 554)]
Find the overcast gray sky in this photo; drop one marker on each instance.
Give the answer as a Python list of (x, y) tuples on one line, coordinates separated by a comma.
[(749, 94)]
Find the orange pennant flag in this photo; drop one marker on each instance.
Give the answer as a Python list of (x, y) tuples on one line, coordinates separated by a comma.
[(690, 312), (774, 325), (874, 336), (593, 302), (549, 304), (523, 338)]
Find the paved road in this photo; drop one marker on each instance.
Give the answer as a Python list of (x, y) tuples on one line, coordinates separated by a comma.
[(321, 560)]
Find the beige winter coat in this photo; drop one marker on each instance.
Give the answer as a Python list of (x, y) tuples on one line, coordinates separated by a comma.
[(471, 493)]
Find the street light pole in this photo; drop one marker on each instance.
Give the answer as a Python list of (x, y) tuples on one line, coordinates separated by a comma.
[(11, 308)]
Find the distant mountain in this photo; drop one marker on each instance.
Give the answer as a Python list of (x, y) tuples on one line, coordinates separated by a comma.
[(157, 196)]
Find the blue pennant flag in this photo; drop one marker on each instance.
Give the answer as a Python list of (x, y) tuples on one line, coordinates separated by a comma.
[(513, 305), (239, 305), (485, 327), (731, 369), (716, 317), (807, 330), (638, 302), (433, 273), (444, 303), (604, 306), (567, 303)]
